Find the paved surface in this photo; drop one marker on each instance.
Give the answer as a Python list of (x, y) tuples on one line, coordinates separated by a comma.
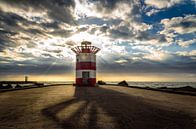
[(107, 107)]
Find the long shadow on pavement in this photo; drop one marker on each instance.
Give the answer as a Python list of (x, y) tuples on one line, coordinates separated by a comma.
[(104, 108)]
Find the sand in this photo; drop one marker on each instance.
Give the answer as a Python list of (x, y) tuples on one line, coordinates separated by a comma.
[(105, 107)]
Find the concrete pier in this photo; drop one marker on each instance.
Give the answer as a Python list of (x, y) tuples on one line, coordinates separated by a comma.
[(105, 107)]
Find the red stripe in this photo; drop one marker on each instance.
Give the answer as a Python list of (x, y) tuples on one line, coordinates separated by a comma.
[(82, 81), (86, 50), (85, 65)]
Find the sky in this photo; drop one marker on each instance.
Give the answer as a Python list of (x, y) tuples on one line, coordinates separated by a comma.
[(140, 40)]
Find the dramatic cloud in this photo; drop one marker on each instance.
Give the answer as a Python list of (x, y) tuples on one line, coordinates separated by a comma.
[(191, 54), (152, 12), (60, 10), (180, 25), (162, 3), (36, 37), (186, 43)]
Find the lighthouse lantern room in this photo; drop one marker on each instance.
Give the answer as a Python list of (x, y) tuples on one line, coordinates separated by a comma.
[(85, 64)]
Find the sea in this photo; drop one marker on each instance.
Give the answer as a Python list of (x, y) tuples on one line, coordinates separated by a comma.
[(131, 83), (143, 84), (159, 84)]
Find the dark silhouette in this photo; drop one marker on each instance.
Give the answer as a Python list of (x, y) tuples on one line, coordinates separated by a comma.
[(26, 78), (1, 86), (125, 111), (100, 82), (8, 86), (123, 83), (18, 86)]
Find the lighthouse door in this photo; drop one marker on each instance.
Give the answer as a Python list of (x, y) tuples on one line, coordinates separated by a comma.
[(85, 76)]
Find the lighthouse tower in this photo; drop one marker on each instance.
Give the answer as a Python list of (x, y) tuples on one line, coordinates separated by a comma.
[(85, 64)]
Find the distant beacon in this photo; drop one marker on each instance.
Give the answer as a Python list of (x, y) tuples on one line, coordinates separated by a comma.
[(85, 64), (26, 78)]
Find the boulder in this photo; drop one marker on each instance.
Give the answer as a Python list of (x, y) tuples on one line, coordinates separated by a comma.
[(123, 83), (100, 82), (186, 88), (40, 84), (1, 86), (9, 86), (18, 86)]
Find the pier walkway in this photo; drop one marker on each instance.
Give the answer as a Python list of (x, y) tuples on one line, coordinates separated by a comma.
[(105, 107)]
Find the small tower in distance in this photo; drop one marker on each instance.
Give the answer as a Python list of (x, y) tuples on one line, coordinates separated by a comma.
[(26, 78), (85, 64)]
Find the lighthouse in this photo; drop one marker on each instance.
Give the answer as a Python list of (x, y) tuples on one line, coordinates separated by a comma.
[(85, 64)]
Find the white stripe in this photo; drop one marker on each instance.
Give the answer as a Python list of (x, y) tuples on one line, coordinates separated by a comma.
[(92, 73), (86, 57)]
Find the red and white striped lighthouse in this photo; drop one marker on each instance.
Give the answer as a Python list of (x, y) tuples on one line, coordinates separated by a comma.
[(85, 64)]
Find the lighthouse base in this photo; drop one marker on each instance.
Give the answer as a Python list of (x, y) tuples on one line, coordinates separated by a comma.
[(83, 82)]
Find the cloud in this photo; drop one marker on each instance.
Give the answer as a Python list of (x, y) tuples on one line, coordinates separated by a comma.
[(36, 36), (154, 6), (191, 54), (160, 4), (121, 61), (186, 43), (151, 53), (17, 30), (179, 25), (147, 66), (42, 69), (152, 12), (60, 10), (115, 10), (107, 9), (21, 61), (152, 39), (123, 30), (157, 56), (147, 59)]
